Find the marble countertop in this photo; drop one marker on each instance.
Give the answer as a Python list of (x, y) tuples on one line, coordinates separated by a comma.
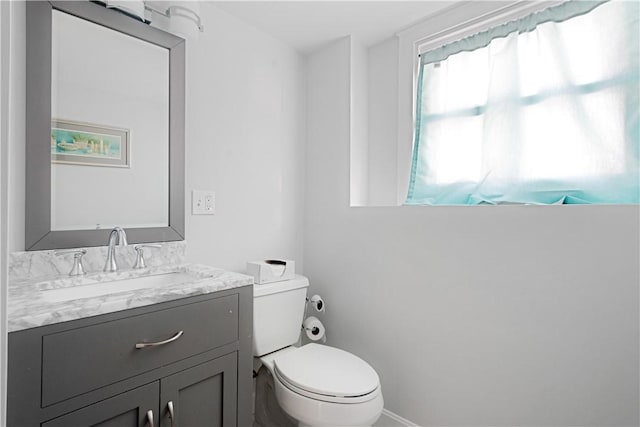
[(37, 303)]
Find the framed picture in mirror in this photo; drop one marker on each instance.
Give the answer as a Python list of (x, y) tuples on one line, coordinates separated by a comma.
[(89, 144)]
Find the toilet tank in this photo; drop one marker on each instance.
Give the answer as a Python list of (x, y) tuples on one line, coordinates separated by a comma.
[(278, 309)]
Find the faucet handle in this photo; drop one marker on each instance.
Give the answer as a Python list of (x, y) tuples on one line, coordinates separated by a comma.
[(140, 263), (78, 267)]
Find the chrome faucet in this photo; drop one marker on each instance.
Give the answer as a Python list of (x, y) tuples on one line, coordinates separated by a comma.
[(116, 237)]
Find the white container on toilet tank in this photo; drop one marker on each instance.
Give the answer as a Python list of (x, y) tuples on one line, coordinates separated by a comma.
[(271, 270)]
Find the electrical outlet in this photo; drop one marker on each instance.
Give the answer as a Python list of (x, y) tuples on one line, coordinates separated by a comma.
[(203, 202), (210, 203)]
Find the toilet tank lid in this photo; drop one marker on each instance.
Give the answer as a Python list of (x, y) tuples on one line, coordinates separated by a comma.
[(285, 285)]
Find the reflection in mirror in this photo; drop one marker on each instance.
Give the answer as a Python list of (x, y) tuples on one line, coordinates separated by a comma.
[(110, 128)]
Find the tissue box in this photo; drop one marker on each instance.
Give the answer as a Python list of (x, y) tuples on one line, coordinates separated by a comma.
[(271, 270)]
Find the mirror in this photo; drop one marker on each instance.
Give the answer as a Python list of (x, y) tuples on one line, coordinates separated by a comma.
[(107, 149), (110, 128)]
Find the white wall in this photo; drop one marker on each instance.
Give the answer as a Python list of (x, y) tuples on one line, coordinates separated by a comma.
[(16, 142), (359, 120), (382, 122), (245, 140), (506, 315)]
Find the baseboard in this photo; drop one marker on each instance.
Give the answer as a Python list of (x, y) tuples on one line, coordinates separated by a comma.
[(389, 419)]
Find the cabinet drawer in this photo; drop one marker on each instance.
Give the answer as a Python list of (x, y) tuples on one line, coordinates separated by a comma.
[(84, 359)]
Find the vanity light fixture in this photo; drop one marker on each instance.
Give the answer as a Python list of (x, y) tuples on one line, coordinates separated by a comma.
[(134, 9), (176, 17)]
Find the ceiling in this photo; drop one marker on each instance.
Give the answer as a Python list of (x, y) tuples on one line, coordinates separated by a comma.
[(307, 25)]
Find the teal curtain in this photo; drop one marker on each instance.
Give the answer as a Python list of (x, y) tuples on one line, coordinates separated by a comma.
[(541, 110)]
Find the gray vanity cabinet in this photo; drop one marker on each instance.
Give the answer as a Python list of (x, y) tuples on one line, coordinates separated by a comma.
[(88, 372), (200, 396), (134, 408)]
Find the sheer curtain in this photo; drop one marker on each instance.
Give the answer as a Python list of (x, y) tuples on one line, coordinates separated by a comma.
[(540, 110)]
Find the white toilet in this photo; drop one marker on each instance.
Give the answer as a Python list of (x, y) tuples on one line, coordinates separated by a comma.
[(315, 384)]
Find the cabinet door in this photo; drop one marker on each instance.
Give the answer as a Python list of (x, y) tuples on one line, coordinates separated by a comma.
[(135, 408), (205, 395)]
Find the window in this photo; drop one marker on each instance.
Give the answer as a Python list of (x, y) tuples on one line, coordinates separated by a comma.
[(544, 110)]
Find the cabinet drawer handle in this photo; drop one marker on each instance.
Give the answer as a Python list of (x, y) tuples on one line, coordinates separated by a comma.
[(150, 417), (153, 344), (171, 413)]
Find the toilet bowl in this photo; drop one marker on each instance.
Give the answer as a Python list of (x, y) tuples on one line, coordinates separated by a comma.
[(320, 385), (315, 384)]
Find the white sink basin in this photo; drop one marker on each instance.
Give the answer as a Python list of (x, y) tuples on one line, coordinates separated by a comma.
[(105, 288)]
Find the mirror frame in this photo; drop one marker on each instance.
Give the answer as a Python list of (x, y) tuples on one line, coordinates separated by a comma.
[(38, 233)]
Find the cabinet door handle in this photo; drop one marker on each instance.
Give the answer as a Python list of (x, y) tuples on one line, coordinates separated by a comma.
[(171, 413), (150, 417), (153, 344)]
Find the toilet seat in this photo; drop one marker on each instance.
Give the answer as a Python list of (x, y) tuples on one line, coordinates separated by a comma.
[(326, 398), (327, 374)]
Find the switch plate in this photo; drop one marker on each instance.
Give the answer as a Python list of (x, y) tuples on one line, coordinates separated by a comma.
[(203, 202)]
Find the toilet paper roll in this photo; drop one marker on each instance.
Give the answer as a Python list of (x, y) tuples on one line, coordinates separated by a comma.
[(318, 303), (314, 329)]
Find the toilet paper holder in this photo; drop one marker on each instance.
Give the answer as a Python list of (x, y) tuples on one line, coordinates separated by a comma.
[(314, 329), (317, 302)]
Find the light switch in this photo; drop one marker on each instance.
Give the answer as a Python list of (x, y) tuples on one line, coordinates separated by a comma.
[(203, 202)]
